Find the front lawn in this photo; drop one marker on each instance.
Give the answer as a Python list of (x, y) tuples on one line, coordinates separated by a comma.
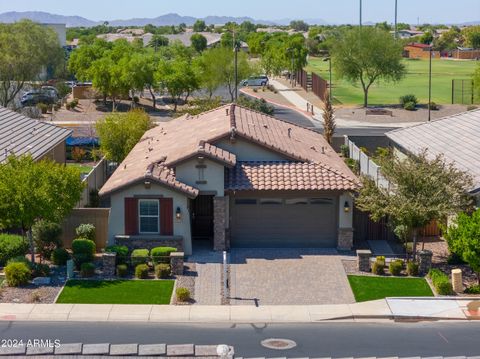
[(84, 169), (370, 288), (117, 292)]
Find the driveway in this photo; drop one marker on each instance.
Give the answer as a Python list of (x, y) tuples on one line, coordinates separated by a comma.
[(288, 276)]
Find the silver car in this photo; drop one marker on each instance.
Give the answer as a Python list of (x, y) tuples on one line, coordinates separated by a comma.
[(256, 81)]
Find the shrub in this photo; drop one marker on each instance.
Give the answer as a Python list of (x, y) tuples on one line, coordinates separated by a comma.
[(434, 106), (412, 269), (345, 151), (122, 253), (43, 107), (161, 254), (68, 106), (139, 256), (60, 256), (395, 267), (78, 154), (87, 269), (46, 236), (408, 98), (19, 259), (141, 271), (473, 289), (162, 271), (378, 268), (183, 294), (83, 251), (136, 100), (122, 270), (440, 282), (17, 273), (86, 231), (40, 270), (259, 105), (11, 246), (354, 165), (381, 260), (410, 106), (455, 259)]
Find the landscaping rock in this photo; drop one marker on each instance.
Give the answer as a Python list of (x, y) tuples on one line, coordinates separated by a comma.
[(42, 280), (180, 350), (152, 349)]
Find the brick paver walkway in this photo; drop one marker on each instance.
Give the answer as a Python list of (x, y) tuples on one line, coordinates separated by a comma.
[(288, 276), (208, 282)]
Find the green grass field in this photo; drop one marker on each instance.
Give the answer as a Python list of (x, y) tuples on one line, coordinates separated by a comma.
[(415, 82), (84, 169), (117, 292), (370, 288)]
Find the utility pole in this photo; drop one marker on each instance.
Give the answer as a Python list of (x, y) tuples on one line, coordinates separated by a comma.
[(396, 16), (430, 86), (360, 13), (235, 50)]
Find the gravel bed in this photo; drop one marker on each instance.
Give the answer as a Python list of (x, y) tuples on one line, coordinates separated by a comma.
[(187, 280)]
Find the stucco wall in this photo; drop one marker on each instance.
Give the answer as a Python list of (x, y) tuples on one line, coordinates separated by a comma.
[(247, 151), (345, 219), (181, 227), (57, 154), (213, 175)]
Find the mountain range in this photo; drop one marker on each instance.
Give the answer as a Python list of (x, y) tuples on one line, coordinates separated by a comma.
[(163, 20)]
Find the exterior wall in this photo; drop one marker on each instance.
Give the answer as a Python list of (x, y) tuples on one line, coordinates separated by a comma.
[(181, 227), (220, 224), (420, 53), (213, 175), (57, 154), (247, 151), (466, 54), (345, 222), (84, 92), (96, 216)]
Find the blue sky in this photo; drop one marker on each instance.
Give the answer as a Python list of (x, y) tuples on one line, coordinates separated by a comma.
[(337, 11)]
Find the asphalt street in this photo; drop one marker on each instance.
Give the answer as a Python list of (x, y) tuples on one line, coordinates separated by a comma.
[(313, 340)]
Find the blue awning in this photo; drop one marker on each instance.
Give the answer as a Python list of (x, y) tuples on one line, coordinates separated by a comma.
[(82, 141)]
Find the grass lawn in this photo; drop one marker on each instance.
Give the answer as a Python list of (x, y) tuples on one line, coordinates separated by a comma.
[(117, 292), (84, 169), (415, 82), (370, 288)]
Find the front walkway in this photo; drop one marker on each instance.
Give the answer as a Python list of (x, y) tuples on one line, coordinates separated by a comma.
[(288, 276)]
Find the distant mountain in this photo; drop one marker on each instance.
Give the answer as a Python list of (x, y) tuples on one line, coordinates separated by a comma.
[(46, 18)]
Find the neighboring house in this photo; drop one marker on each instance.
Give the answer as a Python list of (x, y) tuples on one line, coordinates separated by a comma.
[(231, 177), (465, 53), (407, 34), (419, 51), (455, 137), (185, 38), (21, 135)]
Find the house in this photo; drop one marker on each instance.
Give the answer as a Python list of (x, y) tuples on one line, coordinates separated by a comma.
[(231, 177), (455, 137), (407, 34), (20, 135), (465, 53), (419, 51)]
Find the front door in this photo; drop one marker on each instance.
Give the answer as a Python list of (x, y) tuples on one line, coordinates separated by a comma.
[(202, 218)]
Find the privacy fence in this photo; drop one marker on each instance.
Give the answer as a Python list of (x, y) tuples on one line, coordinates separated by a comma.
[(312, 82)]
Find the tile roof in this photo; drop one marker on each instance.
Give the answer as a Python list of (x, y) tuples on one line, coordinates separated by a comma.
[(280, 175), (457, 137), (179, 139), (21, 135)]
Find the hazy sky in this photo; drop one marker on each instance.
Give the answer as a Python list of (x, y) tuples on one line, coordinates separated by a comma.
[(337, 11)]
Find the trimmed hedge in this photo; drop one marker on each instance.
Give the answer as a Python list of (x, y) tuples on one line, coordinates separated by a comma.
[(12, 246), (378, 267), (40, 270), (162, 271), (46, 236), (141, 271), (17, 273), (160, 254), (395, 267), (440, 282), (122, 270), (87, 270), (122, 252), (60, 256), (412, 269), (183, 294), (83, 251), (139, 256)]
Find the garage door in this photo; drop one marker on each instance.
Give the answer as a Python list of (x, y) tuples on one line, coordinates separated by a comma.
[(283, 222)]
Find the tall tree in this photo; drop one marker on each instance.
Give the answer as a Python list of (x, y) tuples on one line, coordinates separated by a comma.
[(199, 26), (328, 115), (299, 25), (119, 133), (199, 42), (26, 50), (367, 55), (158, 41), (209, 77), (31, 191), (140, 72), (472, 36), (422, 189)]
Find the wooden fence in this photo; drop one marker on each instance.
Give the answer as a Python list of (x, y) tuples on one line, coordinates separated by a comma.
[(302, 79), (319, 86), (96, 216)]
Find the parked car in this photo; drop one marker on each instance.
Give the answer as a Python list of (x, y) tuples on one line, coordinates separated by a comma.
[(44, 95), (256, 81)]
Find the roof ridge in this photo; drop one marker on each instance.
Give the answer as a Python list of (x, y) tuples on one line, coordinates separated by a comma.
[(331, 169)]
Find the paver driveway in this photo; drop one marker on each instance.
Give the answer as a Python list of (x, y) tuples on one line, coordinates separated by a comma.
[(288, 276)]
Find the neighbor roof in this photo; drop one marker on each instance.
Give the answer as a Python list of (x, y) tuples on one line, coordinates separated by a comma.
[(172, 142), (21, 135), (456, 137)]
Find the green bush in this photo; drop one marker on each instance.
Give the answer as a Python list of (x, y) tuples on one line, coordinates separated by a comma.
[(408, 98), (11, 246), (345, 151), (395, 267), (473, 289), (183, 294), (412, 269), (46, 236), (122, 253), (161, 254), (87, 269), (259, 105), (43, 107), (455, 259), (60, 256), (410, 106), (354, 165), (378, 268), (139, 256), (162, 271), (86, 231), (19, 259), (122, 270), (434, 106), (83, 251), (380, 259), (141, 271), (40, 270), (440, 282), (17, 273)]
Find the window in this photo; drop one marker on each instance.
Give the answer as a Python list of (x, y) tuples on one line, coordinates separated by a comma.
[(324, 201), (271, 201), (296, 201), (245, 201), (149, 215)]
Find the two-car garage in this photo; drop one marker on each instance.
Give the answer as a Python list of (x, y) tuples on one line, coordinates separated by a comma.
[(272, 222)]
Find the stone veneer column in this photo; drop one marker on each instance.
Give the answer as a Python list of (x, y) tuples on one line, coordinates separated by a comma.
[(363, 260), (220, 242), (109, 264), (425, 261), (345, 239), (176, 262)]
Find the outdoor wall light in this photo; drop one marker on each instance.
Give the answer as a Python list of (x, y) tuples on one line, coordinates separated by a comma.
[(178, 213), (148, 184), (346, 207)]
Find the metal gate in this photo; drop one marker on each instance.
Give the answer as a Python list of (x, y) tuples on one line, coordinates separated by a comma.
[(462, 92)]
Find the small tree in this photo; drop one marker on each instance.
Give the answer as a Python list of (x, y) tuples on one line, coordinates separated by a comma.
[(421, 190), (46, 236), (199, 42), (463, 238), (119, 133), (199, 26), (328, 119)]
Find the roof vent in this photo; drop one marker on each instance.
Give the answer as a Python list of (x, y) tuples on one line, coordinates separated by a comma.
[(323, 150), (313, 148), (289, 132), (265, 125), (226, 111), (125, 166)]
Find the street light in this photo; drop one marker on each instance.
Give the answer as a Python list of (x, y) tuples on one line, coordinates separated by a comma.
[(329, 59), (235, 50), (290, 51), (430, 85), (396, 26), (360, 13)]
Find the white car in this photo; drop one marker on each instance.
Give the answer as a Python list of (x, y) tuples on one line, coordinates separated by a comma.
[(256, 81)]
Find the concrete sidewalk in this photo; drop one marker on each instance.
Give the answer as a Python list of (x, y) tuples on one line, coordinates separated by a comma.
[(390, 308)]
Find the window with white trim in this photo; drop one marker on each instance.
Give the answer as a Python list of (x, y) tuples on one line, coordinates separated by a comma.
[(149, 216)]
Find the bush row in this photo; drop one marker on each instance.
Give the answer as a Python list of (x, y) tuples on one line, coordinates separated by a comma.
[(440, 282), (395, 267)]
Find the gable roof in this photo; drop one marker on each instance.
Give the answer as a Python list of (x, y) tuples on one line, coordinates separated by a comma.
[(20, 135), (457, 137), (177, 140)]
